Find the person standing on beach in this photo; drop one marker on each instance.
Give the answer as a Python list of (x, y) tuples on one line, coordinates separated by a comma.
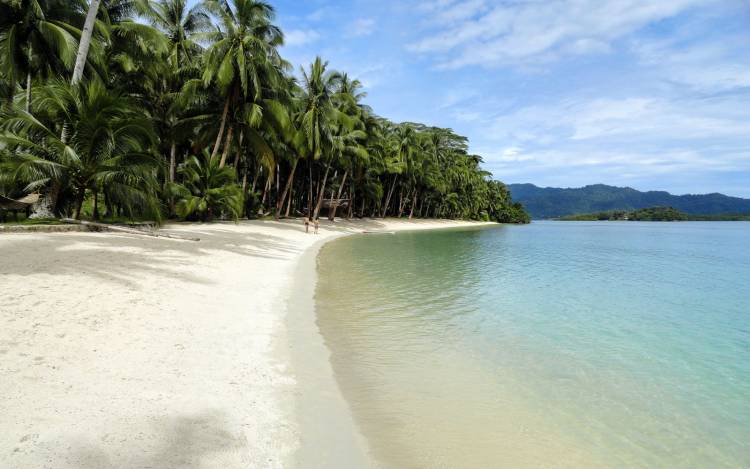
[(317, 225), (307, 225)]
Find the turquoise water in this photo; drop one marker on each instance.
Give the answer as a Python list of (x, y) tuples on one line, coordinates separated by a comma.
[(559, 344)]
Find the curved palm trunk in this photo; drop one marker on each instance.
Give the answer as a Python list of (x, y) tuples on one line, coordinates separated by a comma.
[(28, 86), (332, 215), (289, 202), (388, 197), (421, 206), (227, 145), (322, 190), (310, 192), (46, 207), (224, 114), (79, 203), (265, 193), (85, 43), (352, 194), (282, 198), (239, 149), (255, 179), (413, 204)]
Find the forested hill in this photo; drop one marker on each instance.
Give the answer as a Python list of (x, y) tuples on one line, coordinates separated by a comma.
[(552, 202)]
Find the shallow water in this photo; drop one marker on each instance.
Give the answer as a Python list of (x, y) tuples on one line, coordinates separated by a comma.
[(559, 344)]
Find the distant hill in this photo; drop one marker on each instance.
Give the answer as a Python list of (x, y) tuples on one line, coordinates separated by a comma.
[(553, 202)]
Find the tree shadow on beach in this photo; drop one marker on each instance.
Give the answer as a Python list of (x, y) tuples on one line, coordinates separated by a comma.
[(204, 440), (124, 259)]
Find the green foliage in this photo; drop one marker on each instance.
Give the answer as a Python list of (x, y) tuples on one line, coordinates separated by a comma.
[(207, 191), (106, 149), (644, 214), (165, 80)]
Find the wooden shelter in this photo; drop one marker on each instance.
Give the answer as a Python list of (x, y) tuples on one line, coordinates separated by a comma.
[(12, 205)]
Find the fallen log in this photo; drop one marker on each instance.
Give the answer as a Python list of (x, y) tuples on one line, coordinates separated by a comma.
[(122, 229)]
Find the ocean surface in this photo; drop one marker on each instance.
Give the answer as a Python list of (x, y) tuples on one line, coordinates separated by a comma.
[(558, 344)]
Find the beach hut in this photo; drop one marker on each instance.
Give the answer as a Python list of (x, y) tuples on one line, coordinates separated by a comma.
[(13, 205)]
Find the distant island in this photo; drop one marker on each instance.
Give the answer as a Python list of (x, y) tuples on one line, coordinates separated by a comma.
[(553, 202), (652, 214)]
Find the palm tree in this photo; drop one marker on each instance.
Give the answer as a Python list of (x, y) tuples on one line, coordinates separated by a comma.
[(317, 120), (108, 146), (207, 190), (402, 143), (85, 42), (181, 24), (241, 57), (37, 36)]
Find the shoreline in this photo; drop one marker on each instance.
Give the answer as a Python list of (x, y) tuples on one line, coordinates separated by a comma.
[(121, 350)]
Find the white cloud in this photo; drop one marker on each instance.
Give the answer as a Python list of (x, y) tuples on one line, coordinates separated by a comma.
[(637, 119), (704, 65), (361, 27), (518, 32), (300, 37)]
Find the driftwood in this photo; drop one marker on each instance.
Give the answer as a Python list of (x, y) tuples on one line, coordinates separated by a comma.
[(122, 229)]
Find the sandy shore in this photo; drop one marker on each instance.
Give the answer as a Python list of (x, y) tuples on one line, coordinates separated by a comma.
[(121, 351)]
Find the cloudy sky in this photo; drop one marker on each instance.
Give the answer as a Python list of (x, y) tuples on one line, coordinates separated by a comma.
[(652, 94)]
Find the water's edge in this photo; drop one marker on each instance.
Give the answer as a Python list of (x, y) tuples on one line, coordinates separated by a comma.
[(328, 434)]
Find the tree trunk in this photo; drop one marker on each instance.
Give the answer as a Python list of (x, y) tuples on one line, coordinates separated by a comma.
[(421, 206), (79, 203), (413, 204), (227, 145), (289, 181), (239, 149), (244, 192), (289, 203), (47, 205), (255, 179), (322, 190), (388, 197), (310, 191), (401, 202), (85, 43), (107, 206), (265, 193), (28, 85), (172, 161), (96, 205), (221, 128), (332, 215)]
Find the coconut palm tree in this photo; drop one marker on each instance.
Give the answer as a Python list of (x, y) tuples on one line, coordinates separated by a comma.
[(181, 24), (317, 120), (242, 56), (37, 37), (207, 190), (108, 146)]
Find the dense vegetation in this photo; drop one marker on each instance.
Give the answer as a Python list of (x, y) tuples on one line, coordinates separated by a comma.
[(550, 202), (643, 214), (653, 214), (149, 109)]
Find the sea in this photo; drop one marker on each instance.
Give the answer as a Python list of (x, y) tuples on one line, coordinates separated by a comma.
[(554, 344)]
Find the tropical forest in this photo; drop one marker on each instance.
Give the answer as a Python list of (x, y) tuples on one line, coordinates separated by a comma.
[(168, 109)]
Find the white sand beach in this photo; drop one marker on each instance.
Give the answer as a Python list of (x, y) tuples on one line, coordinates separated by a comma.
[(123, 351)]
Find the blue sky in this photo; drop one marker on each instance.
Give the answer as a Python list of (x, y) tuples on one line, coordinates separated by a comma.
[(652, 94)]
